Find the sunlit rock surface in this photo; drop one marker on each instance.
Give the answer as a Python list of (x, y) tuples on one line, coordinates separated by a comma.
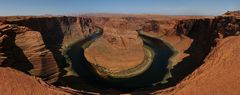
[(116, 51)]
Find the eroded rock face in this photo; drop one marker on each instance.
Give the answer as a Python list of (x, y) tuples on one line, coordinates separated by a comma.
[(24, 50), (218, 74), (218, 36), (32, 45), (116, 51)]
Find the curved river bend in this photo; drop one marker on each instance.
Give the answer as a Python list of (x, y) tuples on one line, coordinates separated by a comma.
[(161, 54)]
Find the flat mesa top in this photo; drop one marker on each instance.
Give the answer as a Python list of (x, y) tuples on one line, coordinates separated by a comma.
[(116, 52)]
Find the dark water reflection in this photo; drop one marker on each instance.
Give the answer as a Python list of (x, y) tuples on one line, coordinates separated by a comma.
[(156, 74)]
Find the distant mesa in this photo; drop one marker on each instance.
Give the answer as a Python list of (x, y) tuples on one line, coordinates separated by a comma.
[(233, 13)]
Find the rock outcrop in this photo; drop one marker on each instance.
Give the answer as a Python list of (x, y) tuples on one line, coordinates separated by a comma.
[(24, 50)]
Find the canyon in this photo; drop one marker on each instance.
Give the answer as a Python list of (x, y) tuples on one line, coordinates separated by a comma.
[(48, 52)]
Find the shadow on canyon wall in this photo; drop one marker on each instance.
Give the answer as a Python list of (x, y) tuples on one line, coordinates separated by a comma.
[(53, 30), (53, 36), (201, 34), (15, 56), (88, 79), (201, 31)]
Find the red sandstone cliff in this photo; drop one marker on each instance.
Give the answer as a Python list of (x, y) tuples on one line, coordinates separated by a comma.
[(32, 45)]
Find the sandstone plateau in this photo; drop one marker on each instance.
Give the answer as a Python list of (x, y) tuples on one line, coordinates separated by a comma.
[(34, 55)]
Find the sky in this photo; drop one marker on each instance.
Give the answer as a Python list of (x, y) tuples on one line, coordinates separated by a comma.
[(164, 7)]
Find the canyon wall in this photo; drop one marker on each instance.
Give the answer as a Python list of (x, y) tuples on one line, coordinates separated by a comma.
[(33, 44), (217, 72)]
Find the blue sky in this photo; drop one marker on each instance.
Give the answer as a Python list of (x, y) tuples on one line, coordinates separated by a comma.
[(167, 7)]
